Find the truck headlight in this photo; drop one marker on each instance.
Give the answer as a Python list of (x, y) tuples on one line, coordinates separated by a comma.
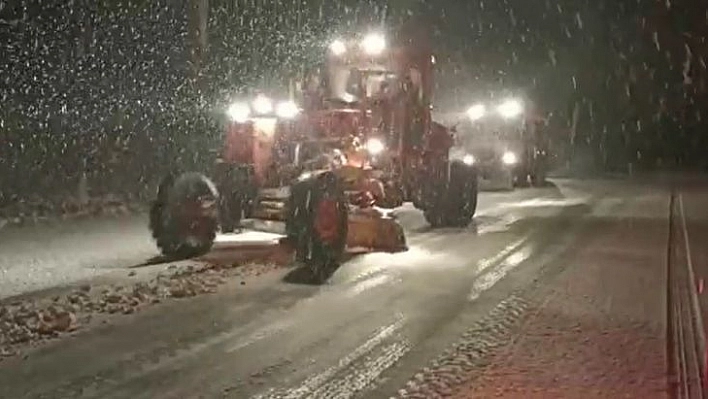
[(337, 47), (304, 175), (373, 44), (375, 146), (468, 159), (509, 158), (263, 105), (476, 111), (239, 112), (286, 110), (510, 109)]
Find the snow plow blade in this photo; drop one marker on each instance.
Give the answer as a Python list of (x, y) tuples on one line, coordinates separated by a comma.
[(372, 231)]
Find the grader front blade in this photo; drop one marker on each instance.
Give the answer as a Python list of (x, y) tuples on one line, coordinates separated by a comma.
[(372, 231)]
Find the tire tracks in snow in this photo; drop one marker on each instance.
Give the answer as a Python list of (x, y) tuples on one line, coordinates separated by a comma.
[(360, 369)]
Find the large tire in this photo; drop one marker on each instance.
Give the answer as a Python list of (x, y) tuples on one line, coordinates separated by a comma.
[(393, 196), (522, 178), (316, 223), (453, 201), (538, 176), (179, 231), (417, 198), (509, 182)]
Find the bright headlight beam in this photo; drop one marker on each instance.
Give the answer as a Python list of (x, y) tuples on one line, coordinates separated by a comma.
[(262, 105), (510, 109), (286, 110), (468, 159), (375, 146), (239, 112), (509, 158), (337, 47), (373, 44), (476, 111)]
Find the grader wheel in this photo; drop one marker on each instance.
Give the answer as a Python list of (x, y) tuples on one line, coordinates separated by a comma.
[(184, 217), (453, 201), (317, 224)]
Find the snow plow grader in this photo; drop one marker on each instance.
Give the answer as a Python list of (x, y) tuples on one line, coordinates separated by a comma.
[(330, 165)]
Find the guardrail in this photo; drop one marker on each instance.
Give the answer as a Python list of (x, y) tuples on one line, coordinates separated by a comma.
[(686, 340)]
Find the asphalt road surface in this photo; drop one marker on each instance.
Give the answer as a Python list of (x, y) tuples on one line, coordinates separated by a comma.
[(379, 323)]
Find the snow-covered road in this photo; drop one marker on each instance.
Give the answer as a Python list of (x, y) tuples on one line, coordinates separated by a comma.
[(43, 255), (49, 254), (376, 324), (556, 291)]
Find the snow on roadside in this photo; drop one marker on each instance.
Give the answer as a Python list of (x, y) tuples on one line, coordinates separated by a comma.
[(29, 323)]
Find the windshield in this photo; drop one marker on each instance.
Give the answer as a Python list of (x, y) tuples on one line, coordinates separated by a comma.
[(353, 84)]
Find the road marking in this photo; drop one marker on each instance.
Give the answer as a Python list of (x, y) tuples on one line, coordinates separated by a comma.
[(221, 338), (486, 262), (510, 258), (369, 283), (261, 334), (692, 291), (357, 380), (319, 381)]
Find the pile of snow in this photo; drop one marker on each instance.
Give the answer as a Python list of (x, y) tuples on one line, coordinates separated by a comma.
[(31, 322)]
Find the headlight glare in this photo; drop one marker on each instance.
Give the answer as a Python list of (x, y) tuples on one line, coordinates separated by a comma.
[(263, 105), (476, 112), (509, 158), (373, 44), (375, 146), (510, 109), (239, 112), (287, 110), (337, 47)]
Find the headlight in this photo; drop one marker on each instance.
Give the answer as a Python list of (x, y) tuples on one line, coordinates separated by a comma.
[(338, 47), (476, 111), (286, 110), (510, 109), (263, 105), (304, 176), (509, 158), (239, 112), (375, 146), (373, 44), (468, 159), (348, 98)]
